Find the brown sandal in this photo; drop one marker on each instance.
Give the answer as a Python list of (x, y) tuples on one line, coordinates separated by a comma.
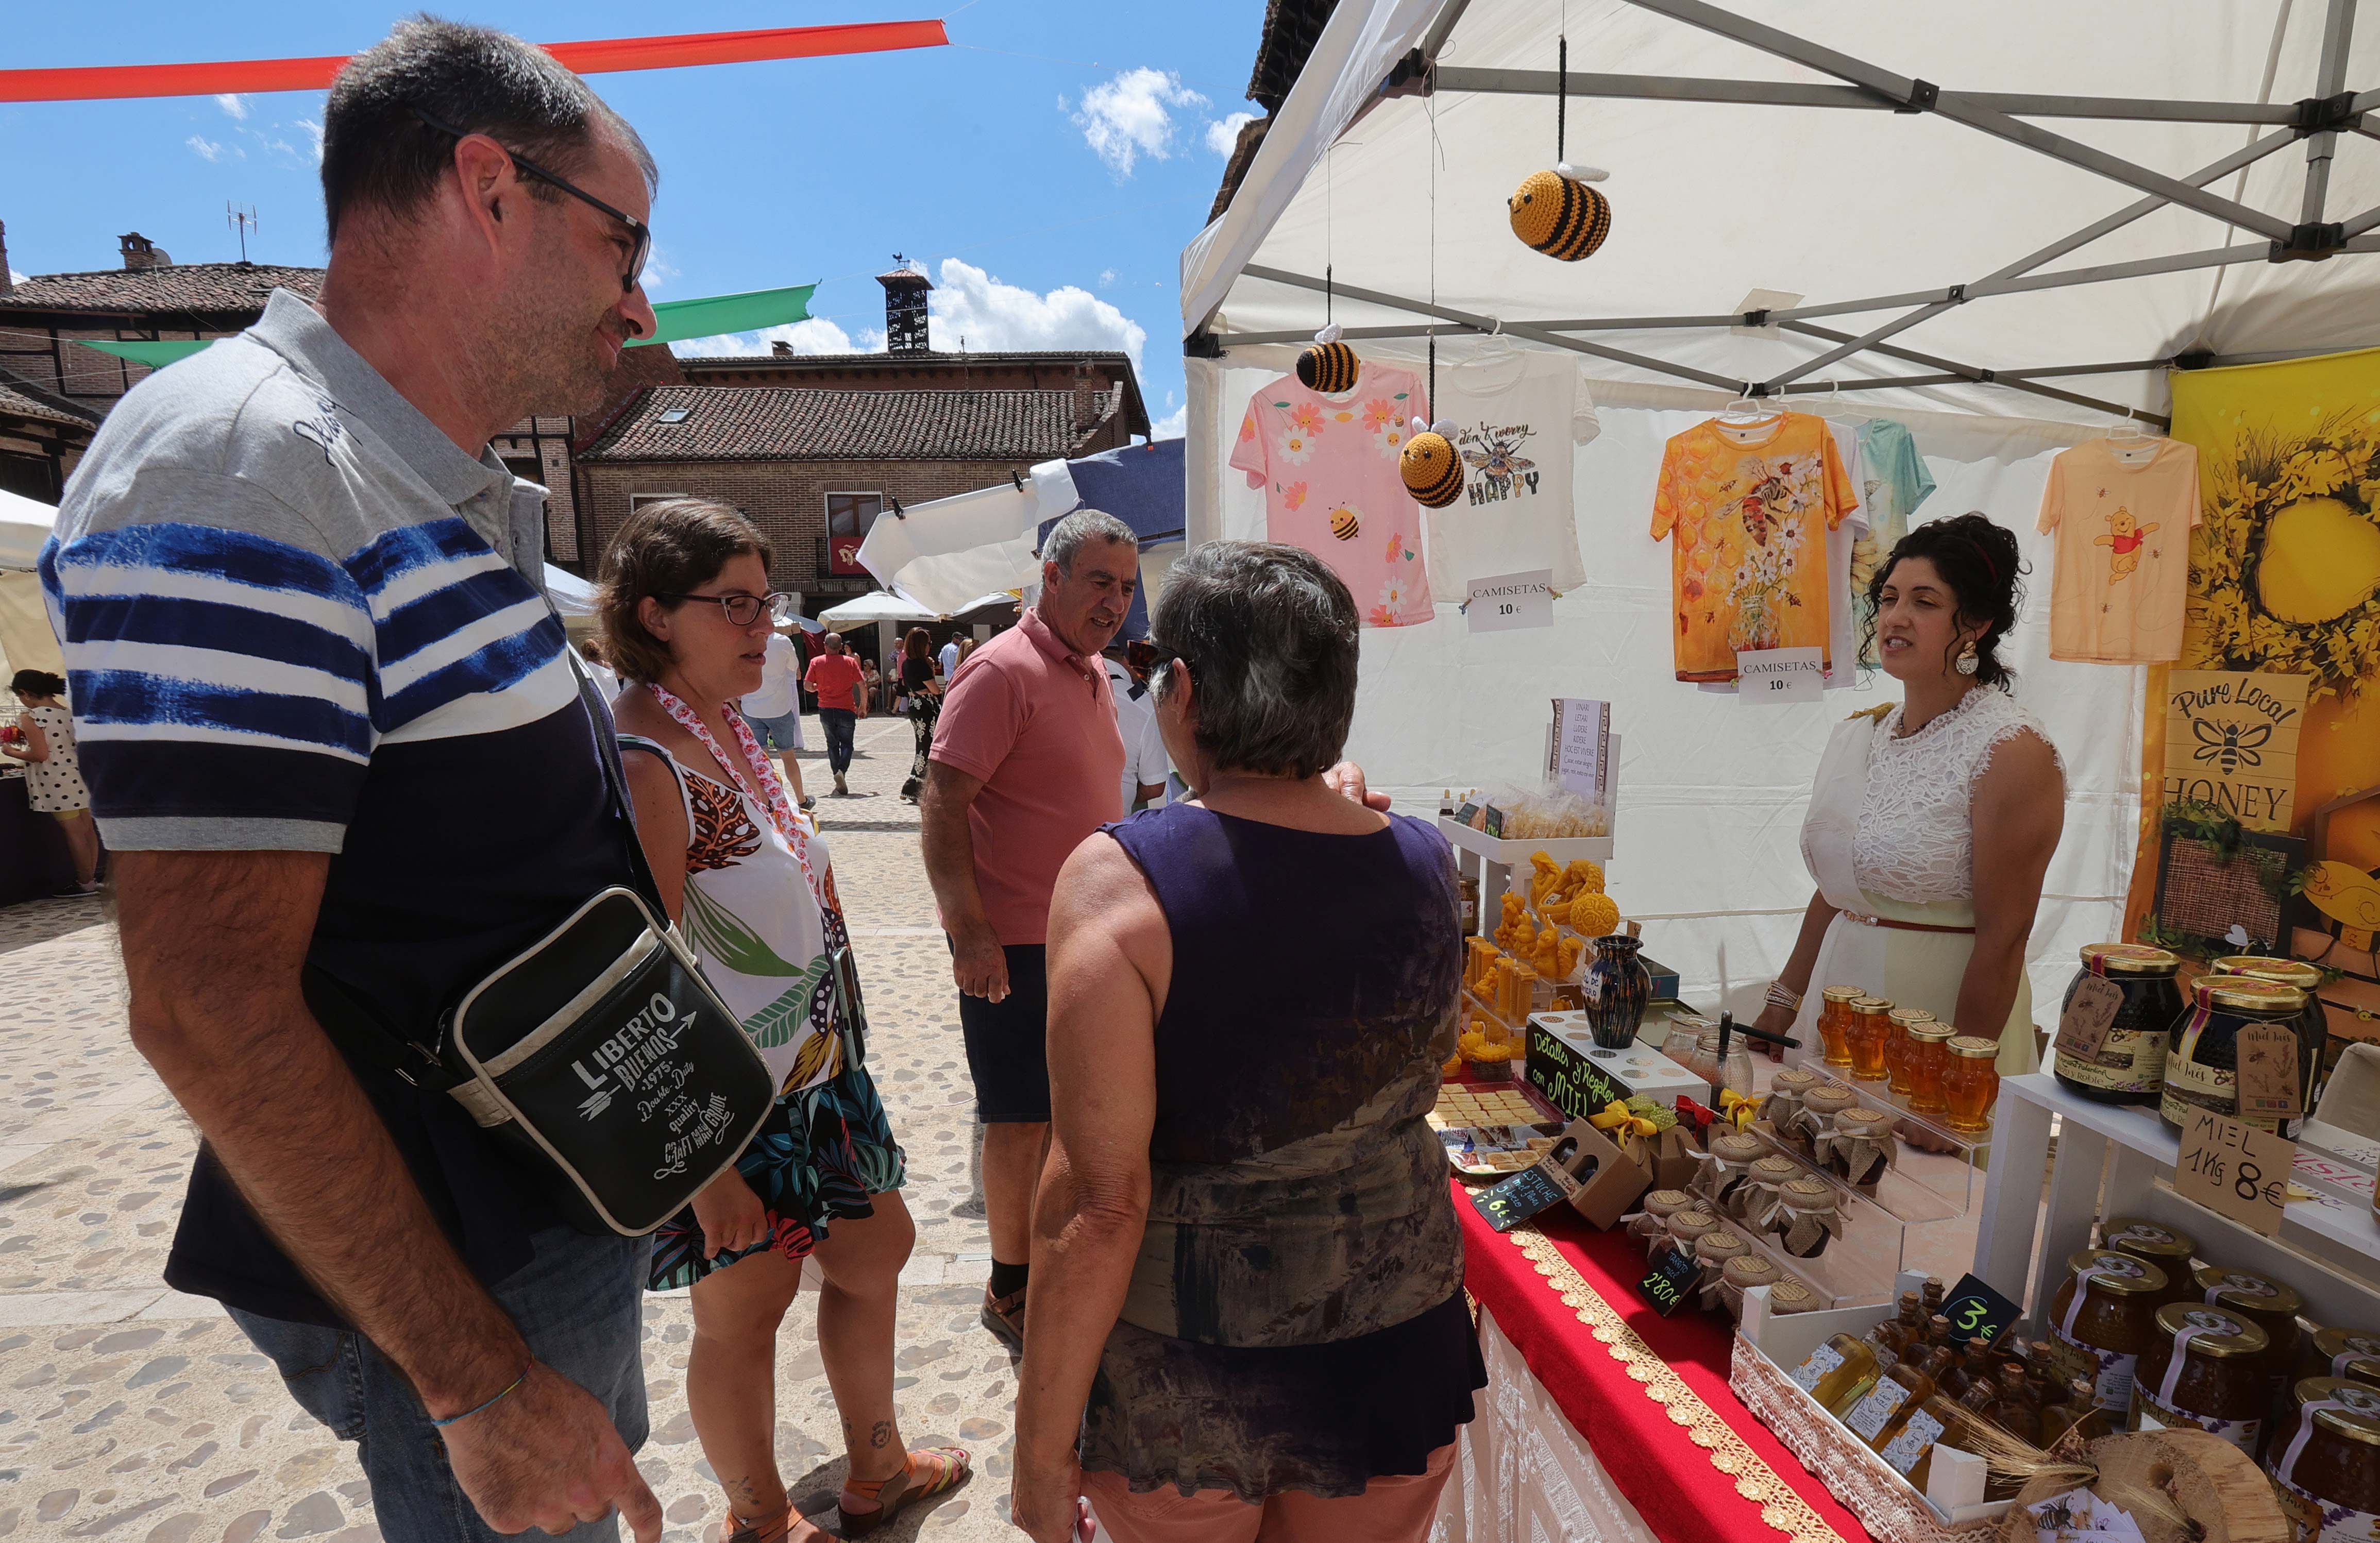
[(928, 1471), (738, 1530)]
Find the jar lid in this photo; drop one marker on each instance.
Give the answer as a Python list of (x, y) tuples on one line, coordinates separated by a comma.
[(2332, 1343), (1720, 1244), (1776, 1167), (2129, 959), (1807, 1194), (2119, 1274), (1865, 1122), (1906, 1015), (1789, 1295), (1870, 1005), (1693, 1223), (2255, 1294), (2220, 1335), (1844, 993), (2131, 1235), (1932, 1033), (1829, 1097), (1738, 1148), (1974, 1047), (1750, 1270), (2288, 972), (2360, 1421), (2247, 993), (1793, 1079), (1667, 1202)]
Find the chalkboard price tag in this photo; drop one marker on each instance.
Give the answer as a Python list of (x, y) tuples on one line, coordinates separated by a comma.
[(1977, 1312), (1512, 1201), (1669, 1279)]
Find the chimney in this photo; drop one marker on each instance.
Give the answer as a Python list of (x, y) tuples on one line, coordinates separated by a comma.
[(5, 284), (904, 308), (1086, 396), (140, 252), (781, 349)]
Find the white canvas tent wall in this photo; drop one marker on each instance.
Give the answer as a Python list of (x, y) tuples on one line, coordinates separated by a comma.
[(26, 641), (1713, 200)]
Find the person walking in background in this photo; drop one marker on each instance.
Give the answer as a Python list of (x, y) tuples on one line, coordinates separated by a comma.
[(684, 605), (1145, 766), (417, 797), (949, 657), (1025, 763), (875, 684), (1248, 1319), (923, 692), (775, 710), (842, 690), (53, 771)]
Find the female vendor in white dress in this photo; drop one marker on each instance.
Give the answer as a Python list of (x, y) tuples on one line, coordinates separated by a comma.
[(1931, 827)]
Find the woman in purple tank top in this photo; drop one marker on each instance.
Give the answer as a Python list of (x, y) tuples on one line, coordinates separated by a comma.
[(1249, 1306)]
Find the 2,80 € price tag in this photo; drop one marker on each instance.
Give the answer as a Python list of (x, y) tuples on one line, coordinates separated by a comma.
[(2235, 1169)]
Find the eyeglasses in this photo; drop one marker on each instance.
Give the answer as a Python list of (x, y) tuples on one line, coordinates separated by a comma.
[(744, 609), (640, 236)]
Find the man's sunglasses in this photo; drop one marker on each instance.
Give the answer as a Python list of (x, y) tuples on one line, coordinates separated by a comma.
[(744, 609), (640, 236)]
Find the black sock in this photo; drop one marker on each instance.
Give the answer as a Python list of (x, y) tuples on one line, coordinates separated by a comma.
[(1008, 1278)]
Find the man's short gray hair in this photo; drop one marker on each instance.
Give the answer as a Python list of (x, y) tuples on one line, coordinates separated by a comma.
[(1079, 529)]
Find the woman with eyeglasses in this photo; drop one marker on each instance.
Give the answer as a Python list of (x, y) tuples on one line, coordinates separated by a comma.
[(686, 612)]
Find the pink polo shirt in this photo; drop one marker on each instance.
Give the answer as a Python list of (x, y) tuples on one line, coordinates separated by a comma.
[(1035, 721)]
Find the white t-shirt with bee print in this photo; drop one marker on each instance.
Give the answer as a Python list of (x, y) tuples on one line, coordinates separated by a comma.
[(1517, 416)]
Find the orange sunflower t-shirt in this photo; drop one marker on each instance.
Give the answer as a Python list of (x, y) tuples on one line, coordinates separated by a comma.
[(1747, 507)]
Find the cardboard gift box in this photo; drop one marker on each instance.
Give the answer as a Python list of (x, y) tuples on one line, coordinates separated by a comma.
[(1618, 1179), (1670, 1157)]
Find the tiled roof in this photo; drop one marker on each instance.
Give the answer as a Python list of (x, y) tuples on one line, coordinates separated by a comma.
[(184, 286), (21, 399), (1291, 30), (775, 423)]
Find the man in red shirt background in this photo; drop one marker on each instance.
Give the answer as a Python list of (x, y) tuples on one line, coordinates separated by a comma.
[(841, 692)]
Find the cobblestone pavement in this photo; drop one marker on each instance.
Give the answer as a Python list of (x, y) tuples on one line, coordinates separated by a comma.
[(132, 1413)]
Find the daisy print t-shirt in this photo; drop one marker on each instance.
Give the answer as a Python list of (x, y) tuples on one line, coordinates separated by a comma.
[(1327, 466)]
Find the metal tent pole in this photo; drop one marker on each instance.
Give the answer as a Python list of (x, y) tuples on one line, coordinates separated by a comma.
[(1789, 93), (1981, 376), (1924, 96), (2338, 29)]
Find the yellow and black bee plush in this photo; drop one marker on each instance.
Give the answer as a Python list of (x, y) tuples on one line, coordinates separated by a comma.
[(1432, 472), (1329, 367), (1557, 214)]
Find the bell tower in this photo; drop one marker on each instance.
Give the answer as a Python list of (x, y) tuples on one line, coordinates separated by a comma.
[(904, 308)]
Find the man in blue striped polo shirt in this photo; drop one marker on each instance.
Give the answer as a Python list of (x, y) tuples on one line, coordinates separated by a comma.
[(327, 721)]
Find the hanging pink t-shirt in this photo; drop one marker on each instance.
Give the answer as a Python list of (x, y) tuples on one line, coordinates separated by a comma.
[(1329, 468)]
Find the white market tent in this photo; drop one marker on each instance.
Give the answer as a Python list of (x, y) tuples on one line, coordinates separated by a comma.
[(26, 642), (2024, 212), (882, 605)]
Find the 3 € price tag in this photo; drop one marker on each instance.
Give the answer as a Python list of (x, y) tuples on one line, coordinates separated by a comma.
[(1511, 602), (2235, 1169), (1977, 1312), (1780, 674)]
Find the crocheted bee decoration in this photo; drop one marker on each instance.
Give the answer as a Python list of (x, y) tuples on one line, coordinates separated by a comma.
[(1556, 213), (1432, 472), (1344, 523), (1329, 367)]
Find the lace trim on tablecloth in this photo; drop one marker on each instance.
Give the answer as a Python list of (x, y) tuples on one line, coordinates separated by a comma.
[(1781, 1506), (1854, 1473)]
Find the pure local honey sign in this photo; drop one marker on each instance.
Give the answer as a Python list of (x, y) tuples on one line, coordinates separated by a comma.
[(2231, 741)]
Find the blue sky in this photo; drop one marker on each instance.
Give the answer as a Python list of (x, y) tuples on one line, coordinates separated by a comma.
[(1047, 171)]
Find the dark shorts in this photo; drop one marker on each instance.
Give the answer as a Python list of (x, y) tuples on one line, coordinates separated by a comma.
[(1008, 1042)]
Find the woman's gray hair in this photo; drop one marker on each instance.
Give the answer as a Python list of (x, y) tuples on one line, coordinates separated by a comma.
[(1080, 528), (1268, 633)]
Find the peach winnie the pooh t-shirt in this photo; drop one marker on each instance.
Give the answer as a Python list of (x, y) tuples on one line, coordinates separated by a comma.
[(2122, 512)]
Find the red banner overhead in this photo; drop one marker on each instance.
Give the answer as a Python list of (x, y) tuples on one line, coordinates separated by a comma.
[(596, 57)]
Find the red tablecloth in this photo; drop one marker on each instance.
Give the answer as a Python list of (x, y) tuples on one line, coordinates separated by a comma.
[(1648, 1394)]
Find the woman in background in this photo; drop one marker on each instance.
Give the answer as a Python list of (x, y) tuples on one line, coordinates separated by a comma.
[(923, 690), (1911, 906), (53, 770)]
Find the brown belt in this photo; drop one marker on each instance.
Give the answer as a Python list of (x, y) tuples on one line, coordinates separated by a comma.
[(1902, 926)]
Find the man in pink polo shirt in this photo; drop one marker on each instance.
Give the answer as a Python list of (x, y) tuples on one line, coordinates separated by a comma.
[(1026, 763)]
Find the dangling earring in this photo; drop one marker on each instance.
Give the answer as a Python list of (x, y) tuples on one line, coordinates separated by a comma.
[(1968, 663)]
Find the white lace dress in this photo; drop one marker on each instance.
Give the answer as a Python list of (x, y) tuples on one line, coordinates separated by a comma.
[(1889, 835)]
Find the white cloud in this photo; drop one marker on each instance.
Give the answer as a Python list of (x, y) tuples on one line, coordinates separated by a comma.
[(1107, 277), (209, 149), (1127, 117), (1223, 134), (234, 105), (314, 130), (1173, 425), (659, 269), (815, 335), (969, 303), (15, 277)]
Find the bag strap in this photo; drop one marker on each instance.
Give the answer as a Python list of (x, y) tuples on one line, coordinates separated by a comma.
[(616, 778)]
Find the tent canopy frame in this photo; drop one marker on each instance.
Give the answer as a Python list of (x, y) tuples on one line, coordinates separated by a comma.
[(2318, 120)]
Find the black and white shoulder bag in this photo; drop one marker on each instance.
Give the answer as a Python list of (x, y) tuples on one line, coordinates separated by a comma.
[(600, 1050)]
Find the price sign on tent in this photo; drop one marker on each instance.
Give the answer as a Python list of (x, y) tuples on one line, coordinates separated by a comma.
[(1511, 602), (1779, 674)]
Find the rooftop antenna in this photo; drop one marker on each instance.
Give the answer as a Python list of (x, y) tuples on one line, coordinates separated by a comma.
[(243, 221)]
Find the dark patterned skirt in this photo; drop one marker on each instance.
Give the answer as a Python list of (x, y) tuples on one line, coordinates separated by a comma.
[(818, 1159)]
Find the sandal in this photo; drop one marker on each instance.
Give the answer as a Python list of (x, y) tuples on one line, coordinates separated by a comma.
[(738, 1530), (929, 1471)]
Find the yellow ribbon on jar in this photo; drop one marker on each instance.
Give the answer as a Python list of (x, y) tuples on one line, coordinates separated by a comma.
[(1737, 1107), (1618, 1118)]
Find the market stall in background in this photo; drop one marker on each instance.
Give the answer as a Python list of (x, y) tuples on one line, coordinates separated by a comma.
[(1577, 419)]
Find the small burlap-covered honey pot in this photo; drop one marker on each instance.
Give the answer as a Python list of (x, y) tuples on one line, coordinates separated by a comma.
[(1689, 1227), (1724, 1169), (1759, 1198), (1860, 1147), (1786, 1091), (1744, 1273), (1651, 1225), (1713, 1252), (1808, 1220)]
